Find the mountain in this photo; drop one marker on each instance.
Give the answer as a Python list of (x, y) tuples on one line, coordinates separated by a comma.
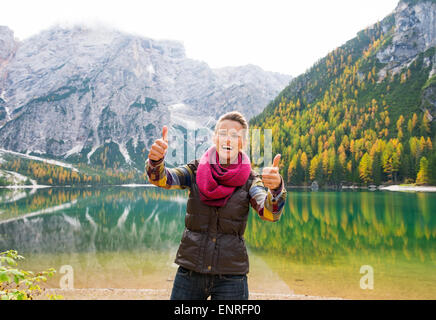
[(101, 96), (366, 112)]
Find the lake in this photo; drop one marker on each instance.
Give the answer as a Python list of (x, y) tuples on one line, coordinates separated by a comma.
[(348, 244)]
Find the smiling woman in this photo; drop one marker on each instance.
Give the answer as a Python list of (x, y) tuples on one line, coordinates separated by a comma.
[(231, 132), (212, 254)]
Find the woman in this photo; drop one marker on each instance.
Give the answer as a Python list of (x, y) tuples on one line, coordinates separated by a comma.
[(212, 256)]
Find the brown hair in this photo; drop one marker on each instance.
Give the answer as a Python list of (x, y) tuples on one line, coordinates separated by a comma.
[(234, 116)]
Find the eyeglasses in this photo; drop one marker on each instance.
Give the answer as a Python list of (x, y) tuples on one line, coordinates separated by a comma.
[(222, 134)]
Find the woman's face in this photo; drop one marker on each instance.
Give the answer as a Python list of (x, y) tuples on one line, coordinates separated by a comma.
[(228, 141)]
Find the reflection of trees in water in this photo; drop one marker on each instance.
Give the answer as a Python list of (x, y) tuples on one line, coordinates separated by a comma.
[(35, 200), (314, 226), (101, 220), (319, 226), (31, 200)]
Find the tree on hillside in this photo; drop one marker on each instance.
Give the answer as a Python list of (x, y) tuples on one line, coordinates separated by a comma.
[(423, 173), (365, 168)]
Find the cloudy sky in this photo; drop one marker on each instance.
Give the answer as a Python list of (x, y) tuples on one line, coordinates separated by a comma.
[(285, 36)]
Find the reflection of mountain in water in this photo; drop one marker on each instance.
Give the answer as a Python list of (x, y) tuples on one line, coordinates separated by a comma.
[(315, 228), (101, 220)]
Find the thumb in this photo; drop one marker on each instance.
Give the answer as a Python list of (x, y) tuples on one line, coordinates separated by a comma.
[(276, 160), (165, 133)]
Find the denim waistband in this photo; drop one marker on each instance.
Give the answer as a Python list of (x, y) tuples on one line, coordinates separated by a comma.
[(192, 272)]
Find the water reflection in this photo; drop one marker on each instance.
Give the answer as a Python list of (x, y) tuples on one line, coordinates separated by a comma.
[(90, 220), (322, 238), (316, 227)]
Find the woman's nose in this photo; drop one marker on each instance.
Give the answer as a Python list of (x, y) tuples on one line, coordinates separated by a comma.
[(225, 140)]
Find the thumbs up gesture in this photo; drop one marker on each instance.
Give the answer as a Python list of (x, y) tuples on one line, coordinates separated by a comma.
[(270, 175), (159, 147)]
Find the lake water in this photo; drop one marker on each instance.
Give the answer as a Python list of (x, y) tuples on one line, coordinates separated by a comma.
[(127, 237)]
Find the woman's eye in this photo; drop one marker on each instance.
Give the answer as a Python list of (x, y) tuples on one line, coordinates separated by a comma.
[(224, 134)]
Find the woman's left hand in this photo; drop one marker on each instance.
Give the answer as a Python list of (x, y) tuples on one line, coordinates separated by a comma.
[(270, 175)]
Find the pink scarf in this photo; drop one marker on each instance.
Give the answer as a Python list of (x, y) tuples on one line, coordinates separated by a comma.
[(216, 183)]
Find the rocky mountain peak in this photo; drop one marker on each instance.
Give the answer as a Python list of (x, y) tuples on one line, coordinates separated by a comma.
[(415, 32), (7, 43), (77, 92)]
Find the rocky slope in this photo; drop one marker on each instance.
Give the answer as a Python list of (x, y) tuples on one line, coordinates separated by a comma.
[(364, 113), (414, 33), (102, 96)]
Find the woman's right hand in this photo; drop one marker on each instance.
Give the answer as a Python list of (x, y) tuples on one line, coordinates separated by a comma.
[(159, 147)]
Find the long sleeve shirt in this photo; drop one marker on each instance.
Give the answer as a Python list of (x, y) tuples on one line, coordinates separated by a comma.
[(268, 204)]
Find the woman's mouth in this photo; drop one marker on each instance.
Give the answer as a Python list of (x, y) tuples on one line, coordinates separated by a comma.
[(227, 148)]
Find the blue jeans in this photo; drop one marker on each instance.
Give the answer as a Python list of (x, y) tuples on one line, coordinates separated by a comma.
[(190, 285)]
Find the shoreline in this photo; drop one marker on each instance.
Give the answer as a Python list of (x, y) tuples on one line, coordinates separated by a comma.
[(40, 186), (157, 294), (27, 186), (409, 188), (399, 187), (152, 278)]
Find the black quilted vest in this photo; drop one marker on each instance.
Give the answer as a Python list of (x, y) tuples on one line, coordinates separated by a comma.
[(213, 240)]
